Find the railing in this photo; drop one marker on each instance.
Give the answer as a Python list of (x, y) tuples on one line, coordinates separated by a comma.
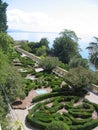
[(94, 88), (31, 56), (57, 70)]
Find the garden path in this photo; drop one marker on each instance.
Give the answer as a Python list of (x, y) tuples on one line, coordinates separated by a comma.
[(93, 98)]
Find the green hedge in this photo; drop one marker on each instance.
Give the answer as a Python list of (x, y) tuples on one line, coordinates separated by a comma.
[(57, 125), (35, 123), (76, 121), (87, 126), (80, 114), (41, 115), (49, 95)]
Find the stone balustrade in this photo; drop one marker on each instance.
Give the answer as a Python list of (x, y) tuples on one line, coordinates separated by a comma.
[(57, 70), (94, 88), (31, 56)]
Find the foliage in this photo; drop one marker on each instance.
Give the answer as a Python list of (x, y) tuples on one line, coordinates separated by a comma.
[(26, 61), (14, 85), (66, 46), (3, 67), (42, 51), (5, 42), (3, 105), (64, 66), (3, 18), (57, 125), (42, 115), (78, 61), (6, 123), (49, 63), (10, 78), (93, 52), (79, 78), (40, 48), (25, 45), (44, 42)]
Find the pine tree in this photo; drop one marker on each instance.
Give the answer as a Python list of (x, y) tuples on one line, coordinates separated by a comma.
[(3, 17)]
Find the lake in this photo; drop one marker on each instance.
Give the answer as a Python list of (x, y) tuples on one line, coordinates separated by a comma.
[(36, 36)]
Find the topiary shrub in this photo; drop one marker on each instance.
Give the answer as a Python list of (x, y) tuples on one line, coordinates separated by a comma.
[(57, 125)]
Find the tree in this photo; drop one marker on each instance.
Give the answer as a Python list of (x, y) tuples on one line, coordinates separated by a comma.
[(40, 48), (24, 45), (5, 42), (49, 63), (3, 18), (79, 78), (44, 42), (78, 61), (11, 86), (42, 51), (93, 52), (4, 64), (66, 46), (57, 125), (14, 85)]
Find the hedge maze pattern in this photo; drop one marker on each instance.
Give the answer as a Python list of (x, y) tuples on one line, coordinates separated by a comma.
[(77, 117)]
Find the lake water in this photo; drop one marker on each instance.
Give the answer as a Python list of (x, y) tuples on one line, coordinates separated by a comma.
[(36, 37)]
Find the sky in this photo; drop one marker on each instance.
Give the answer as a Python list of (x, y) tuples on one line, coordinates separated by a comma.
[(80, 16)]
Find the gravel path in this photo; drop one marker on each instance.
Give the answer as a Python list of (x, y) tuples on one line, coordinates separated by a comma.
[(22, 116), (93, 98), (19, 115)]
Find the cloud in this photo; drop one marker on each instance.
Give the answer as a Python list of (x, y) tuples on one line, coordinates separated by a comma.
[(29, 21), (81, 21)]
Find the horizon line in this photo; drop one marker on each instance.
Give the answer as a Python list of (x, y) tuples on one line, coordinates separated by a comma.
[(25, 31)]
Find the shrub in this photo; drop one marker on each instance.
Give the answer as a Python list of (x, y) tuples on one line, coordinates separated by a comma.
[(57, 125), (87, 126)]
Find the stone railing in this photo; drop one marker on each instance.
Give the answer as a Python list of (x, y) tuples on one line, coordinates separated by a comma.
[(94, 88), (57, 70), (31, 56)]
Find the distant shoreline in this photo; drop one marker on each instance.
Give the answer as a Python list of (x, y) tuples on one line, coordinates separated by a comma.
[(23, 31)]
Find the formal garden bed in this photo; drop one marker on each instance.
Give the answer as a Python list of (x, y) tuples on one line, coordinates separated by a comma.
[(60, 105)]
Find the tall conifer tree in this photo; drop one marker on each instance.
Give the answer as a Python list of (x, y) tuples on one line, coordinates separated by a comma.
[(3, 17)]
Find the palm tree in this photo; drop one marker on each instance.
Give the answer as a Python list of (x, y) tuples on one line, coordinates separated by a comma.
[(93, 52)]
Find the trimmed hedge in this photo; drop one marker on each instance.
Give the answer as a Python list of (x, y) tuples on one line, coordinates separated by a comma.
[(87, 126), (49, 95), (42, 114), (57, 125)]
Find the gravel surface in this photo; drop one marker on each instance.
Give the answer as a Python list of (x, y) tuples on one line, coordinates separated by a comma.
[(93, 98)]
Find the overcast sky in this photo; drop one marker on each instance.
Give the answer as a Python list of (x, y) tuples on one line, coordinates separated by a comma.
[(80, 16)]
